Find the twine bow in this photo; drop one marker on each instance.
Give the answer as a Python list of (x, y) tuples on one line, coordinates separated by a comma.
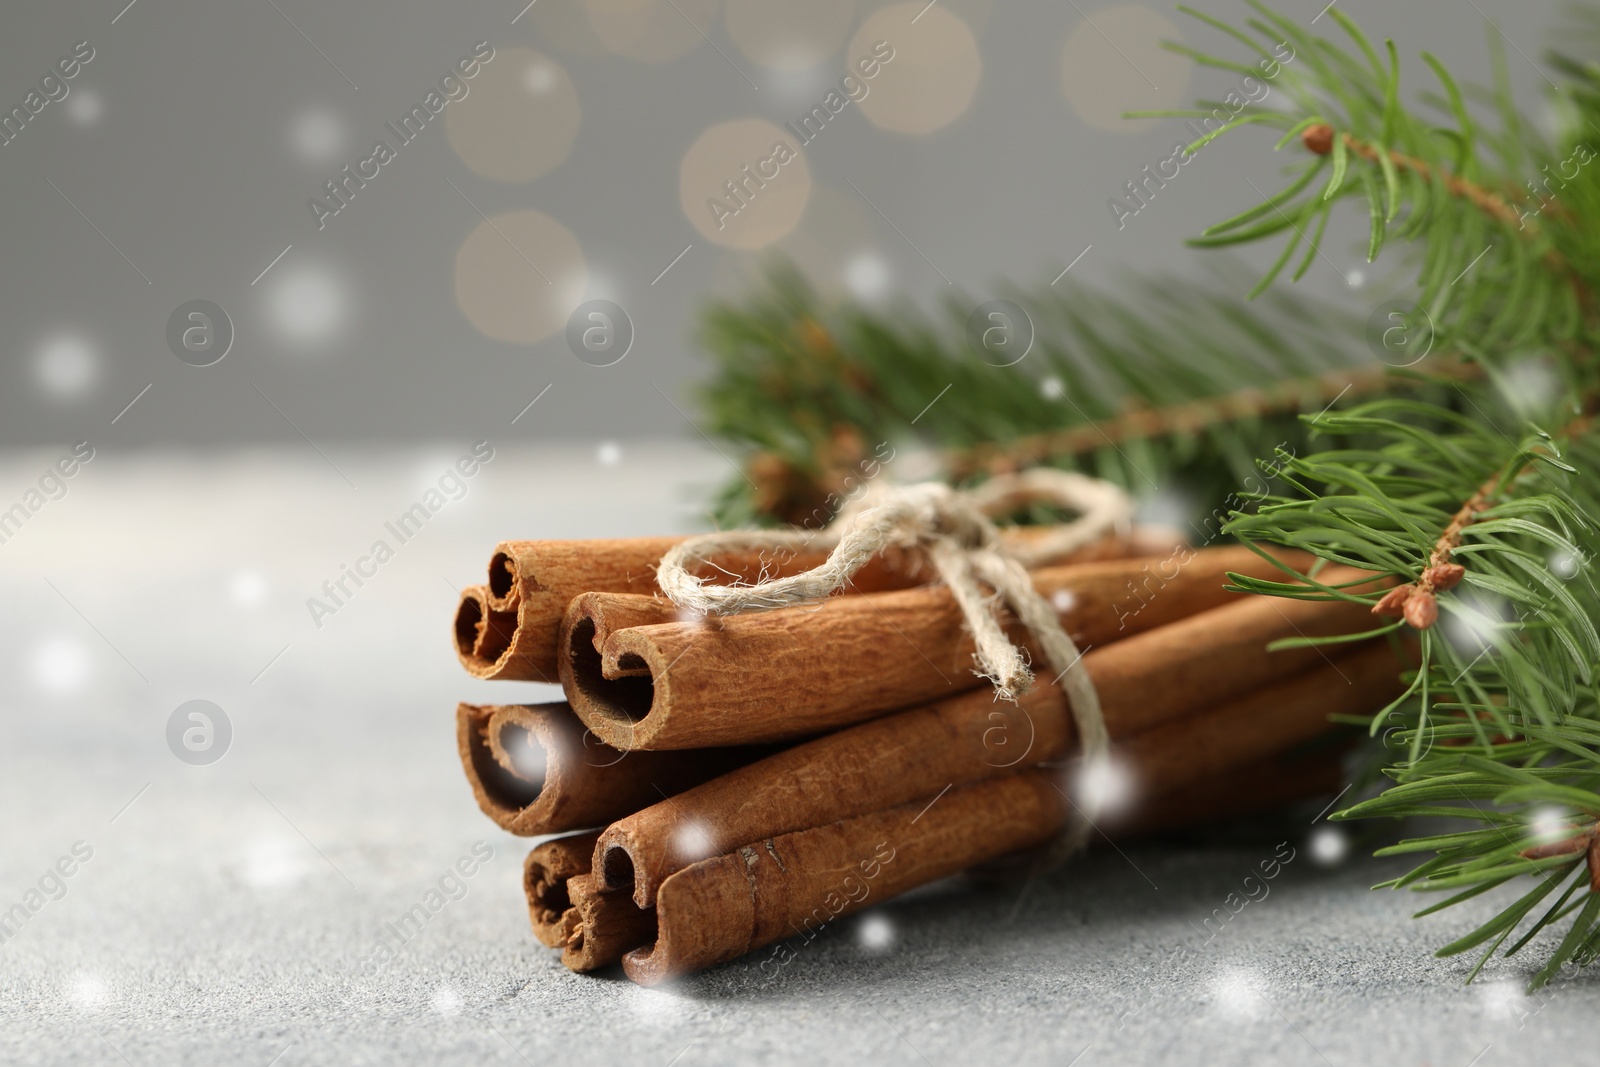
[(955, 528)]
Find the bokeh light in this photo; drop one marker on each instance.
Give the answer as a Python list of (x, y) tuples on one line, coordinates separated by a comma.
[(563, 24), (693, 841), (1105, 786), (744, 184), (274, 862), (1551, 824), (785, 35), (61, 665), (66, 366), (519, 275), (317, 134), (932, 75), (518, 119), (247, 588), (653, 31), (875, 932), (1503, 998), (1237, 994), (85, 106), (1532, 387), (446, 1001), (1113, 62), (88, 992), (1329, 846), (866, 275), (609, 454), (307, 304)]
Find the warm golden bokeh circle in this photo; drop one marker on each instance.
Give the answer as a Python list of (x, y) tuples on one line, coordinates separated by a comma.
[(744, 152), (563, 24), (931, 78), (1113, 62), (653, 31), (786, 35), (518, 119), (519, 275)]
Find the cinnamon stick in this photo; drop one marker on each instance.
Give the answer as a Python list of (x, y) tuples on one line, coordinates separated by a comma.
[(916, 753), (781, 674), (534, 769), (721, 908), (482, 634), (532, 582), (600, 927), (1252, 788), (545, 874), (794, 672)]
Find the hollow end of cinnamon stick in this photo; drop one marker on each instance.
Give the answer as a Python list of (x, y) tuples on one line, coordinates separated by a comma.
[(503, 590), (534, 769), (545, 874), (602, 926), (507, 773), (619, 701), (480, 632)]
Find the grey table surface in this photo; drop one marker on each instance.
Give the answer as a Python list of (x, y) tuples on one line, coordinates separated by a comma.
[(228, 912)]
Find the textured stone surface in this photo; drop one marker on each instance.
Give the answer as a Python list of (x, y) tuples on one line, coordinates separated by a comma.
[(226, 912)]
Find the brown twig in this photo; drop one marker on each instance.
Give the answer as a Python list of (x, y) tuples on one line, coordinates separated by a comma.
[(1417, 603), (1587, 841), (1194, 416), (1318, 139)]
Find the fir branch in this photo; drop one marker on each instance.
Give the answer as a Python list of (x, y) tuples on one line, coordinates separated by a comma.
[(1318, 140), (1288, 397)]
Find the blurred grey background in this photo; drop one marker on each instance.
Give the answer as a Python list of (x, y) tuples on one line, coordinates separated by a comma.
[(181, 162)]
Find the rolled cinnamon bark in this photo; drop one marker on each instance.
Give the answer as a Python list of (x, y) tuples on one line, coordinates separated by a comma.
[(545, 874), (553, 572), (916, 753), (782, 674), (482, 634), (600, 927), (532, 582), (721, 908), (1249, 789), (534, 769), (794, 672)]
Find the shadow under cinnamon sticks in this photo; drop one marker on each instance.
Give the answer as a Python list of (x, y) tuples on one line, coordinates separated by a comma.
[(641, 679)]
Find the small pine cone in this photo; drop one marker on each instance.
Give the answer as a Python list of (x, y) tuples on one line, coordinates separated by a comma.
[(1594, 862), (1421, 610), (1394, 601), (1318, 138), (1443, 576)]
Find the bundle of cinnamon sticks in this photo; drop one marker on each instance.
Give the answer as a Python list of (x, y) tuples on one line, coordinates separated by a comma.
[(728, 783)]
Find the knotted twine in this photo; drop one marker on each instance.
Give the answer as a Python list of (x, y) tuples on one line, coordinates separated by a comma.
[(955, 529)]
